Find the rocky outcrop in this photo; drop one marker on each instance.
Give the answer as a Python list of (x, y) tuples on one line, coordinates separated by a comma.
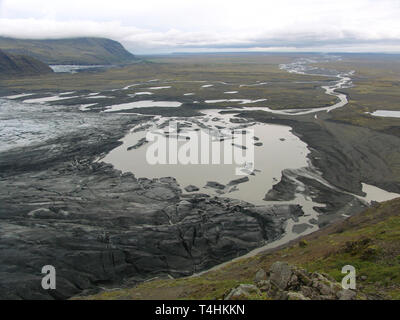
[(287, 282)]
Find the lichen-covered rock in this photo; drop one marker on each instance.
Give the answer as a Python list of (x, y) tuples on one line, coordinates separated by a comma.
[(264, 285), (303, 277), (296, 296), (346, 294), (307, 292), (260, 276), (242, 292), (280, 274), (287, 282)]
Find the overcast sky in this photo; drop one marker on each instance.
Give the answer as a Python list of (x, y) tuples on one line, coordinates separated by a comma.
[(158, 26)]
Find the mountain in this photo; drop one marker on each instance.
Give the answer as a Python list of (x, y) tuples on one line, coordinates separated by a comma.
[(368, 241), (11, 64), (79, 51)]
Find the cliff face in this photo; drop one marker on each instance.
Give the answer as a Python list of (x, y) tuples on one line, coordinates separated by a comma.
[(79, 51), (11, 64)]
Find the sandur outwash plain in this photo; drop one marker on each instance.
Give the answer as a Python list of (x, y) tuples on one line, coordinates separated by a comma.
[(77, 193)]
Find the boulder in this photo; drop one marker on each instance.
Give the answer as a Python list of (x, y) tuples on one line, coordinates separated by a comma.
[(307, 292), (260, 276), (243, 291), (324, 289), (280, 274), (296, 296), (264, 285), (346, 294), (288, 282), (303, 277)]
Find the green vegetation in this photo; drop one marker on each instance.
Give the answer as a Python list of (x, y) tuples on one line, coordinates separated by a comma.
[(369, 241), (81, 51), (21, 65)]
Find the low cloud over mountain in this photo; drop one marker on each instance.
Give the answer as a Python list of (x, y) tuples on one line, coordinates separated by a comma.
[(160, 26)]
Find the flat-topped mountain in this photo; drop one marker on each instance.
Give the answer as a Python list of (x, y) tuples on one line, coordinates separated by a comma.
[(79, 51), (11, 64)]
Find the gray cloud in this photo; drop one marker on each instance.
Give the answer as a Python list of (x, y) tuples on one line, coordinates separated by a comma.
[(180, 25)]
